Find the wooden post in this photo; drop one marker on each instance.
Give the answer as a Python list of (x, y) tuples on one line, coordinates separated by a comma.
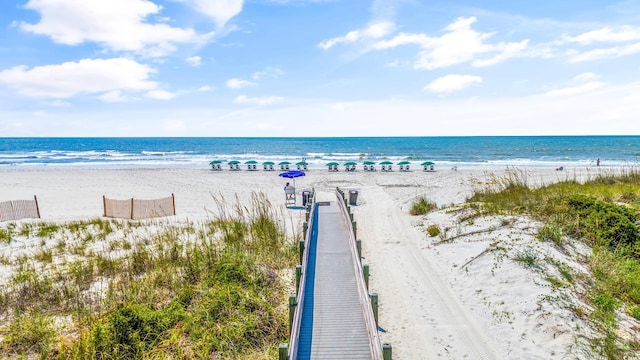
[(359, 248), (365, 274), (173, 201), (283, 351), (374, 305), (386, 351), (298, 277), (305, 226), (292, 310), (131, 208), (355, 235), (37, 207), (104, 205), (306, 216), (301, 250)]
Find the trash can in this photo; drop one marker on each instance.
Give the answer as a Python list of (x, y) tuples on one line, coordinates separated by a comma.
[(305, 197), (353, 197)]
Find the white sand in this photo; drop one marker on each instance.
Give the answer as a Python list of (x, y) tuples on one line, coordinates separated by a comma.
[(430, 306)]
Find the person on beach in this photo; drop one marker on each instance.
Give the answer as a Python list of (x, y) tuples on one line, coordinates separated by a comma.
[(290, 195)]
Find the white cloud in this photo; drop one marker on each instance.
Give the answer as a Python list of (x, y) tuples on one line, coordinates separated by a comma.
[(194, 61), (623, 34), (205, 88), (268, 72), (58, 103), (236, 83), (260, 101), (114, 96), (588, 76), (459, 44), (221, 11), (119, 25), (85, 76), (606, 53), (453, 82), (576, 90), (372, 32), (160, 95)]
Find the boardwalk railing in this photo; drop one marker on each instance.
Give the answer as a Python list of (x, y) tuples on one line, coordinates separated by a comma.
[(370, 319), (296, 319)]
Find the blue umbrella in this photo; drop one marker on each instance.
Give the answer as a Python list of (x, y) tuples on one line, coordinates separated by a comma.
[(292, 174)]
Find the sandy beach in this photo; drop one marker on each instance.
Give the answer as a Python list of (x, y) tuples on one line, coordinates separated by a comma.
[(437, 301)]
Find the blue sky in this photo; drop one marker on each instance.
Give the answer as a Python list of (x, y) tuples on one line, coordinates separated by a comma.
[(319, 67)]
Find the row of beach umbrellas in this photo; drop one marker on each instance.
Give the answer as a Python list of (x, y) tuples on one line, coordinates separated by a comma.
[(333, 163), (253, 162)]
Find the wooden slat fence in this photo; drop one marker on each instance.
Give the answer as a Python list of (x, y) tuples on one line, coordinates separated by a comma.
[(136, 209), (19, 209)]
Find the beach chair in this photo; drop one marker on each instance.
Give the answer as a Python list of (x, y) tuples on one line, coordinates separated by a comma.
[(289, 195)]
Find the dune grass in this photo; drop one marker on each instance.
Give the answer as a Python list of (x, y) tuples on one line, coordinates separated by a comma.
[(421, 206), (601, 212), (111, 289)]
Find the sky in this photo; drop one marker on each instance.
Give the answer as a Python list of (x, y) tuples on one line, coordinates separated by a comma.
[(272, 68)]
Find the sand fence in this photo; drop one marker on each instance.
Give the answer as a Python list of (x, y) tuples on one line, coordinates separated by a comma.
[(19, 209), (136, 209)]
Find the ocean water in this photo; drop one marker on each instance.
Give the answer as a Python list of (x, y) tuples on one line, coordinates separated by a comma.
[(517, 151)]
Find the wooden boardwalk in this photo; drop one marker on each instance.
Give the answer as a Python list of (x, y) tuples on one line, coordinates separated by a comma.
[(333, 322)]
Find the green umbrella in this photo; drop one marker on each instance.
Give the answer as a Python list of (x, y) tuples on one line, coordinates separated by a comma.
[(386, 163), (427, 163), (215, 162), (350, 163), (268, 163), (233, 162), (251, 162), (333, 163), (284, 163), (368, 163), (404, 163), (302, 163)]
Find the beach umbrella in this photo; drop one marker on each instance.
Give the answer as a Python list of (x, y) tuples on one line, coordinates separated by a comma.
[(386, 163), (350, 163), (427, 163), (333, 163), (292, 174), (233, 162), (368, 163), (214, 162), (284, 163), (251, 162), (268, 163), (302, 163), (404, 163)]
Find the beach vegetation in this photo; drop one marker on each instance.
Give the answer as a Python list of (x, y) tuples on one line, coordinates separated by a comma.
[(421, 206), (433, 230), (528, 258), (601, 212), (177, 290)]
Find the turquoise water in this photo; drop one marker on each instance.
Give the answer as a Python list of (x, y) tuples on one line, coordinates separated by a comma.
[(198, 152)]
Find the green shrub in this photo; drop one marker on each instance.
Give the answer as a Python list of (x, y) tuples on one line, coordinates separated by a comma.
[(433, 230), (635, 312), (605, 224), (421, 206)]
